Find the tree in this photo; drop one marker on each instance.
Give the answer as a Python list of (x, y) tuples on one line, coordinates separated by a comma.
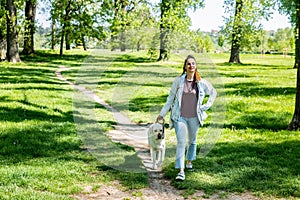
[(165, 7), (65, 31), (237, 32), (67, 23), (30, 11), (143, 27), (77, 21), (221, 40), (50, 6), (292, 9), (53, 38), (201, 43), (243, 23), (208, 44), (295, 123), (12, 53), (283, 39), (173, 17), (263, 39), (2, 29), (121, 21), (62, 13)]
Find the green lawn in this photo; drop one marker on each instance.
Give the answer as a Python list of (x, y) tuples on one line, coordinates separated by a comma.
[(43, 155)]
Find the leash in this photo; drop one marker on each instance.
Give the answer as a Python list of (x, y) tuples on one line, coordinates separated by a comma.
[(163, 127)]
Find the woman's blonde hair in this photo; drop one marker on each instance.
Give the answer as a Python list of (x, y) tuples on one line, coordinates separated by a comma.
[(197, 76)]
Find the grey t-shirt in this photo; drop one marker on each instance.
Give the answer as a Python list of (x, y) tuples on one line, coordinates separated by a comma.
[(189, 99)]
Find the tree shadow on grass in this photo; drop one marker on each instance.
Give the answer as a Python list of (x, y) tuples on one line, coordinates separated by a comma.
[(49, 140), (132, 77), (20, 113), (133, 59), (264, 119), (40, 133), (51, 57), (249, 70), (251, 65), (39, 140), (260, 167), (47, 135), (249, 89), (146, 104), (268, 120), (128, 179), (20, 75)]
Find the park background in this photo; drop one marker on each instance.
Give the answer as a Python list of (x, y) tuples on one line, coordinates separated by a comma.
[(42, 155)]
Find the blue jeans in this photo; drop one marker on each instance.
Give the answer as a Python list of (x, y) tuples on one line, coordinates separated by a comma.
[(183, 127)]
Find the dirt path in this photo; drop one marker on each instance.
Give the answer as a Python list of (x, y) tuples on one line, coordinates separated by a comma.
[(159, 188)]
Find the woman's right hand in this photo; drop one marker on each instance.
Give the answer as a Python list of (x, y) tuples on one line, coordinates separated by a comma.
[(159, 118)]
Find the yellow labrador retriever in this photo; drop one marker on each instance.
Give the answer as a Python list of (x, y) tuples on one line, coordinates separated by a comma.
[(157, 144)]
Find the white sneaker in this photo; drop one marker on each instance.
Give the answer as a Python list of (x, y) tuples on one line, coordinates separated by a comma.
[(189, 167), (180, 176)]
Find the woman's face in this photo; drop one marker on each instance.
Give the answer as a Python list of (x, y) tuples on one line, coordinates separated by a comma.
[(190, 65)]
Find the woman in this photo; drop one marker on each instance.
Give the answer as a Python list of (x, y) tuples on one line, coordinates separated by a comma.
[(187, 111)]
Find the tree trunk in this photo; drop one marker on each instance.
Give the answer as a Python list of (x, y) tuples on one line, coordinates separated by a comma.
[(2, 48), (68, 45), (12, 53), (83, 43), (67, 25), (138, 45), (114, 32), (53, 34), (295, 123), (297, 46), (123, 14), (30, 11), (113, 43), (164, 32), (164, 40), (115, 27), (2, 36), (235, 54), (122, 41), (236, 33), (62, 41)]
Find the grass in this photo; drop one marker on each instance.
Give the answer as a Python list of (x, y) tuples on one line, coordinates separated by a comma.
[(43, 153), (255, 152)]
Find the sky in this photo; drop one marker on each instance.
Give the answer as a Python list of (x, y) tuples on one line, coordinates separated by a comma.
[(211, 18)]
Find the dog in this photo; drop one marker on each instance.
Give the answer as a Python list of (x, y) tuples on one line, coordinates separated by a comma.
[(157, 144)]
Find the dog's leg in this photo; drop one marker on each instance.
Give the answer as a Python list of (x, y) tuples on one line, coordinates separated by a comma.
[(163, 151), (154, 159), (161, 157), (151, 154)]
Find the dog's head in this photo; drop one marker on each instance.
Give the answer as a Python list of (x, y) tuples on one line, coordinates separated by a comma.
[(156, 131)]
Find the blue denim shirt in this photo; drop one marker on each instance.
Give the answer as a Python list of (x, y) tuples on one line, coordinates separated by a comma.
[(173, 102)]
